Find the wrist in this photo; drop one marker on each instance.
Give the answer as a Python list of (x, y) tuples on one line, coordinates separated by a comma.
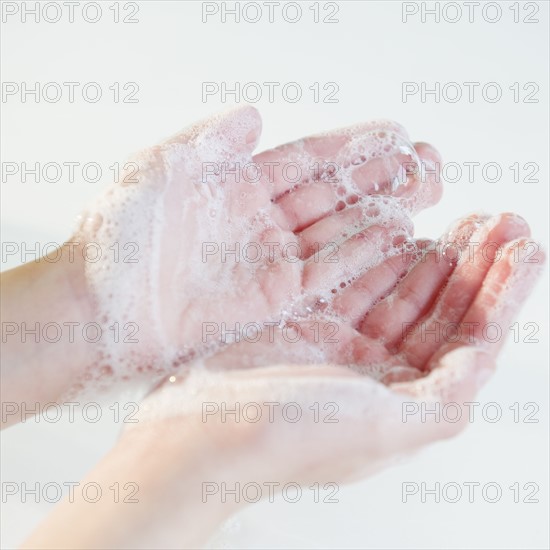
[(43, 304), (175, 465)]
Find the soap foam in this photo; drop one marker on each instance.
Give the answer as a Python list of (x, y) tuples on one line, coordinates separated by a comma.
[(169, 292)]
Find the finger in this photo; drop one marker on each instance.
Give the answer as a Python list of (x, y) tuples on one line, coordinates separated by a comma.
[(423, 337), (215, 157), (413, 178), (332, 270), (416, 292), (357, 299), (211, 151), (340, 226), (504, 289), (394, 174), (425, 185), (289, 165), (240, 126), (220, 149)]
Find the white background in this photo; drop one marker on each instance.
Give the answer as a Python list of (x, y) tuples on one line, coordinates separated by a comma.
[(369, 53)]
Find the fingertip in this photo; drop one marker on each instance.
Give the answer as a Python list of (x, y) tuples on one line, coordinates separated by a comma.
[(428, 152), (430, 188), (394, 126), (253, 119), (525, 252), (509, 226), (246, 124), (462, 229)]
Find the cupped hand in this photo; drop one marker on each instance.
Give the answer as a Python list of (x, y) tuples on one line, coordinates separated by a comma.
[(264, 413), (355, 392)]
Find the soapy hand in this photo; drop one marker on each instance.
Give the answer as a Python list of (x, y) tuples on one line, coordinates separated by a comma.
[(445, 285), (225, 240), (347, 318)]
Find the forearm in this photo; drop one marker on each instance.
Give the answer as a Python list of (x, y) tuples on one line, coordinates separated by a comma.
[(159, 502), (41, 359)]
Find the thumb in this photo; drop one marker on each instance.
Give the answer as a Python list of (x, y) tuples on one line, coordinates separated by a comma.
[(236, 130), (457, 374)]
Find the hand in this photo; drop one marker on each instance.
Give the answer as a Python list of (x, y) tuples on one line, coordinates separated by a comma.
[(198, 195), (216, 422), (187, 443), (471, 292), (396, 320), (156, 275)]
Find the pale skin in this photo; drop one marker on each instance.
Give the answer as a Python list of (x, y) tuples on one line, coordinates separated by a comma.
[(192, 449), (58, 291), (371, 314)]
